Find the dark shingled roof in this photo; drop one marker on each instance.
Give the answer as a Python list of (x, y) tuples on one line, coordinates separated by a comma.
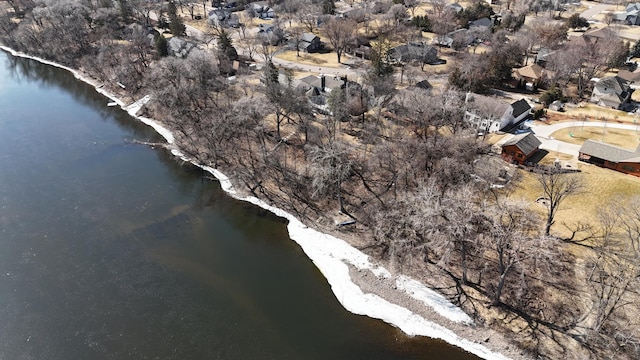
[(520, 107), (484, 22), (618, 84), (609, 152), (527, 142)]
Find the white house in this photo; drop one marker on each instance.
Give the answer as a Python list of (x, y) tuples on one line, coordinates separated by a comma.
[(515, 114)]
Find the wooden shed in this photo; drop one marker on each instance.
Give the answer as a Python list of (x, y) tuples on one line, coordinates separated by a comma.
[(519, 148)]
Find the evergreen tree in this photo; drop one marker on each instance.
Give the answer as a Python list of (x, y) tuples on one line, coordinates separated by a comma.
[(422, 22), (576, 21), (162, 20), (161, 46), (125, 11), (635, 51), (176, 26), (328, 7), (225, 45), (270, 74)]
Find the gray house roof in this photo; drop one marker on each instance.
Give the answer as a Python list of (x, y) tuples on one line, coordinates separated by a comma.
[(315, 82), (520, 107), (179, 47), (414, 51), (612, 91), (527, 142), (634, 6), (612, 83), (609, 152), (481, 23), (447, 40), (309, 37), (455, 7)]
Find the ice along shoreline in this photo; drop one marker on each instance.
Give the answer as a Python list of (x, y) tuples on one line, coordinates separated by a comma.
[(331, 255)]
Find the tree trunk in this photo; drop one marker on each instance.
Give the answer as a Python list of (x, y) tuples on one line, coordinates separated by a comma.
[(463, 262)]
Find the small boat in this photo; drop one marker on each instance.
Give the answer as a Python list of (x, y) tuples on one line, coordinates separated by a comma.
[(112, 103)]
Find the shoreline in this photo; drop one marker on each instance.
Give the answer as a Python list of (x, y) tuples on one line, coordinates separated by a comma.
[(345, 268)]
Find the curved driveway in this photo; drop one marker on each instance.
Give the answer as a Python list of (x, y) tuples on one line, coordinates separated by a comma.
[(543, 133)]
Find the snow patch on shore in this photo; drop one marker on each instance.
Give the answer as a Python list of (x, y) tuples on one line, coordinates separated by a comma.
[(331, 255), (439, 303)]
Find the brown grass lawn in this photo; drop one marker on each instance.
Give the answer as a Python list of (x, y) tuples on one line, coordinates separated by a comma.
[(552, 156), (628, 139), (601, 187), (328, 59), (593, 113)]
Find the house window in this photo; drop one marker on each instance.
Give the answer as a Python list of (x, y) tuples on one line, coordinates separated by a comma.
[(520, 156), (629, 168)]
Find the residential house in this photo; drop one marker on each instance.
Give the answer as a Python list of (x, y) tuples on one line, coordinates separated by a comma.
[(458, 38), (320, 83), (178, 47), (480, 25), (455, 7), (484, 113), (414, 51), (309, 42), (613, 92), (516, 113), (360, 47), (633, 77), (261, 10), (271, 34), (519, 148), (601, 34), (482, 124), (611, 157), (529, 76), (358, 14), (224, 18), (631, 16), (542, 57)]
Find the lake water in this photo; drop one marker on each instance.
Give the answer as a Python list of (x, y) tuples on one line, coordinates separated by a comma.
[(110, 250)]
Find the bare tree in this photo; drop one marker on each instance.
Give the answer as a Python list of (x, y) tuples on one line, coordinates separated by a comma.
[(308, 14), (330, 167), (438, 7), (400, 235), (515, 247), (556, 187), (340, 32), (550, 32), (412, 5), (463, 221)]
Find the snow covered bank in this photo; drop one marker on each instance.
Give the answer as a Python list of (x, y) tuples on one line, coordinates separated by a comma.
[(333, 257)]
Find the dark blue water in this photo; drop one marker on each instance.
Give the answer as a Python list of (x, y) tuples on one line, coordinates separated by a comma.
[(110, 250)]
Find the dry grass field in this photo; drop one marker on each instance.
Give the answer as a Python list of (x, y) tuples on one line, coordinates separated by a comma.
[(601, 187), (591, 112), (327, 59), (628, 139)]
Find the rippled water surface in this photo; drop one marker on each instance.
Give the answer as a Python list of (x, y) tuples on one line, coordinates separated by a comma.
[(110, 250)]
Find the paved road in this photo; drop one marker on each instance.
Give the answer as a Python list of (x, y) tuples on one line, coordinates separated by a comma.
[(545, 131), (594, 10), (343, 70)]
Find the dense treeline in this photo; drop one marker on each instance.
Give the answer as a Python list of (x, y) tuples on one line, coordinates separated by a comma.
[(403, 164)]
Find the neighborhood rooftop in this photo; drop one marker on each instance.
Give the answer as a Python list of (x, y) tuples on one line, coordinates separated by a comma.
[(609, 152), (526, 142), (520, 107)]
